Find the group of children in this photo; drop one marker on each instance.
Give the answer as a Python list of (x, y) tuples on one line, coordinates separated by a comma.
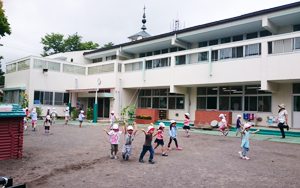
[(50, 118), (130, 133), (244, 130)]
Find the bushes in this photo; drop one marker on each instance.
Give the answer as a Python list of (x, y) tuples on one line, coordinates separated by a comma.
[(75, 113), (143, 117), (89, 114)]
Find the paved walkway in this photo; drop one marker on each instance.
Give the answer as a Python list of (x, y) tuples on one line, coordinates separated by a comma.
[(273, 138)]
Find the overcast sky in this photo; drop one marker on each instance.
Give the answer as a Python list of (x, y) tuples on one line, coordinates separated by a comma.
[(104, 21)]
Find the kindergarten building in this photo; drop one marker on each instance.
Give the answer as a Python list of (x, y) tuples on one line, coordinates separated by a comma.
[(245, 64)]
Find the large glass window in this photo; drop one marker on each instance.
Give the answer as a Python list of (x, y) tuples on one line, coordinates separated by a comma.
[(50, 98), (212, 103), (203, 56), (264, 103), (149, 64), (236, 103), (180, 60), (265, 33), (223, 103), (297, 27), (161, 99), (296, 88), (251, 35), (214, 55), (237, 38), (213, 42), (225, 40), (202, 44), (59, 100)]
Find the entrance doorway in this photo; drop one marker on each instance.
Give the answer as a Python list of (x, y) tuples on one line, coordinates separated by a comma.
[(296, 106), (103, 106)]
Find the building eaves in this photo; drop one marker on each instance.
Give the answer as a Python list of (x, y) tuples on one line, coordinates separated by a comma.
[(237, 18)]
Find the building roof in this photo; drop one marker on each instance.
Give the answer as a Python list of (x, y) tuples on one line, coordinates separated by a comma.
[(143, 34), (237, 18), (11, 110)]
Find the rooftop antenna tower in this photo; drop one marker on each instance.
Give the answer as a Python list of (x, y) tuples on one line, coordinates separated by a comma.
[(176, 25)]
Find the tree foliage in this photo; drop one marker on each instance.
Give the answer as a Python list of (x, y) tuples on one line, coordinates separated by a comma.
[(4, 25), (55, 43), (108, 45)]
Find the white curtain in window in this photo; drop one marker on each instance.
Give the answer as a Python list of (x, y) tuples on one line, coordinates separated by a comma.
[(252, 49)]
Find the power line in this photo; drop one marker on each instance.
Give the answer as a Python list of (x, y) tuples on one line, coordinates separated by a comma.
[(20, 46)]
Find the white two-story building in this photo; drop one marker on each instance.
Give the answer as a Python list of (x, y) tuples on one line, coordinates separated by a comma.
[(249, 63)]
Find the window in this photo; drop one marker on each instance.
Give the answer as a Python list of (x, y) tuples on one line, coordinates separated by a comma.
[(296, 27), (203, 56), (145, 102), (23, 65), (225, 90), (142, 55), (211, 103), (252, 49), (296, 88), (180, 49), (180, 103), (157, 52), (201, 103), (226, 53), (180, 60), (59, 100), (174, 49), (250, 103), (71, 60), (202, 44), (251, 35), (265, 33), (225, 40), (11, 68), (164, 51), (149, 54), (149, 64), (264, 103), (212, 90), (201, 91), (97, 60), (119, 67), (213, 42), (223, 103), (161, 99), (172, 102), (50, 98), (236, 90), (214, 55), (270, 47), (237, 38), (297, 43), (238, 52), (236, 103)]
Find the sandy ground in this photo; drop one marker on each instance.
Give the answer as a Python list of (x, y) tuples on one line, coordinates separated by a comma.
[(79, 157)]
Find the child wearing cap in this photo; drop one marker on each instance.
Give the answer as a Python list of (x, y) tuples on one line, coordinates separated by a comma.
[(223, 126), (112, 119), (48, 112), (53, 115), (47, 124), (81, 116), (33, 116), (173, 135), (186, 126), (129, 136), (245, 141), (147, 145), (160, 138), (67, 114), (114, 140), (239, 127), (25, 123)]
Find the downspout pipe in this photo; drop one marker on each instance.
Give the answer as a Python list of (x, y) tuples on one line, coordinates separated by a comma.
[(188, 45), (126, 53)]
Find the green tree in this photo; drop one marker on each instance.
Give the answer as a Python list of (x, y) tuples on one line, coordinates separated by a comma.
[(55, 43), (108, 45), (4, 25), (2, 77)]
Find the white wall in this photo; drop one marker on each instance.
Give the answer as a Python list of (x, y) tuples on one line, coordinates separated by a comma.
[(77, 57)]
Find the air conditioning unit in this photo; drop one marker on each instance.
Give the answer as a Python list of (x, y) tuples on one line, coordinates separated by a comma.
[(45, 70)]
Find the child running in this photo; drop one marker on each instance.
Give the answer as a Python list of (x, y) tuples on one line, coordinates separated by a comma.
[(239, 127), (147, 145), (223, 126), (245, 141), (81, 116), (160, 138), (114, 140), (48, 112), (129, 136), (67, 115), (53, 115), (33, 116), (112, 119), (47, 124), (186, 126), (173, 135)]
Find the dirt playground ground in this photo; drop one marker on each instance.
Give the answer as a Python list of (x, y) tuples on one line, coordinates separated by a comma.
[(79, 157)]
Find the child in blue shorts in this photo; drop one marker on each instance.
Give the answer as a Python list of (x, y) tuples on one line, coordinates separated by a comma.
[(245, 141)]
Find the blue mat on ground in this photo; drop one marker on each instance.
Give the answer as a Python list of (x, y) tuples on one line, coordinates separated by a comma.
[(272, 132), (167, 123)]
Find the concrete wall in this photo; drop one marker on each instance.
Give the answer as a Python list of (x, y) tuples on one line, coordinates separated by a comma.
[(77, 57)]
